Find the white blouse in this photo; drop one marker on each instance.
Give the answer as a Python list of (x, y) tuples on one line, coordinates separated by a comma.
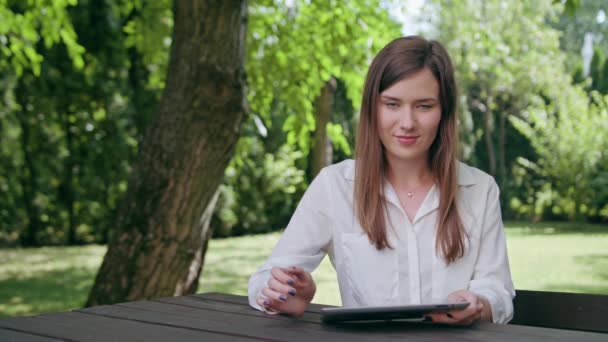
[(410, 273)]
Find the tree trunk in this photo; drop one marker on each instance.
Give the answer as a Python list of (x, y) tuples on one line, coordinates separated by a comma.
[(28, 180), (502, 155), (323, 107), (488, 132), (66, 191), (163, 224)]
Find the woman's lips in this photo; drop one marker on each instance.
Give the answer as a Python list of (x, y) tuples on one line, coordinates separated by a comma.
[(407, 139)]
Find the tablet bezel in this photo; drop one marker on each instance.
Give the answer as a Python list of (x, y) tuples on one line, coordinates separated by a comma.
[(386, 313)]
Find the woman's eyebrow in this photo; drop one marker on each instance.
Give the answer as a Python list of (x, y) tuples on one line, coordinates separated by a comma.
[(427, 99), (392, 98), (388, 97)]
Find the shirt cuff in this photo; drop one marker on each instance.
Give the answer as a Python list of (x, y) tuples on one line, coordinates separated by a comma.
[(256, 284), (502, 312)]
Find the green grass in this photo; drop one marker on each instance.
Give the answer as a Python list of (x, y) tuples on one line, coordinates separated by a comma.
[(544, 256), (36, 280), (559, 257)]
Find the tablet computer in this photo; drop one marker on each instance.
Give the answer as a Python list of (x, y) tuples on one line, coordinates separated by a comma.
[(383, 313)]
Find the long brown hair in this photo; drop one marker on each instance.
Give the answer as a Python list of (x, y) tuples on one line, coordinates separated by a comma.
[(396, 61)]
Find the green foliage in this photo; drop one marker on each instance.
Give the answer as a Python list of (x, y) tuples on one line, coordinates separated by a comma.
[(499, 59), (342, 128), (148, 30), (570, 6), (72, 132), (334, 132), (23, 24), (260, 192), (569, 136), (517, 92), (293, 51), (584, 24), (80, 80), (598, 72)]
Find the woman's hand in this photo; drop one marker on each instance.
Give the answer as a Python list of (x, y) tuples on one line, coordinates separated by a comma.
[(289, 291), (478, 309)]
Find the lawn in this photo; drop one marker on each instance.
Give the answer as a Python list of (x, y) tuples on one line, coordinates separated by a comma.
[(544, 256)]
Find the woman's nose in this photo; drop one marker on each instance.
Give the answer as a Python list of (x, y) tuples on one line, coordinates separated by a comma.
[(406, 118)]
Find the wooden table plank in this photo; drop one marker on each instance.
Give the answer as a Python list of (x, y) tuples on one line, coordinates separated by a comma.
[(78, 326), (229, 318), (223, 297), (255, 326), (7, 335), (225, 306), (483, 331)]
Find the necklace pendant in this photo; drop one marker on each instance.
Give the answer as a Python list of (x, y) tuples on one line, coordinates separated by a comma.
[(409, 194)]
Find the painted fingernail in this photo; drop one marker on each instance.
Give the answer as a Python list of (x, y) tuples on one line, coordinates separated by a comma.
[(292, 292), (283, 298), (427, 319), (449, 315), (266, 303), (290, 282)]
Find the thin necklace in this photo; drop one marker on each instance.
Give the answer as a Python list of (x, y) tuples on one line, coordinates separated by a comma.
[(410, 193)]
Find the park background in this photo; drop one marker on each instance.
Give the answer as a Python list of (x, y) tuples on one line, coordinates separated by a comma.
[(178, 136)]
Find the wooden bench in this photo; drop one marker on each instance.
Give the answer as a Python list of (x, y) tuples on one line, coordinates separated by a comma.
[(574, 311)]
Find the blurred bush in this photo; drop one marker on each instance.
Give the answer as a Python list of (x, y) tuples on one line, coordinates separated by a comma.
[(260, 190)]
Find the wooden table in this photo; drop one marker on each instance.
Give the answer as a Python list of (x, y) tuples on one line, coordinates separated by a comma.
[(221, 317)]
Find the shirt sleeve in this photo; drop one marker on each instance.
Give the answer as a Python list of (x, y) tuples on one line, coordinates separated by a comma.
[(492, 275), (306, 239)]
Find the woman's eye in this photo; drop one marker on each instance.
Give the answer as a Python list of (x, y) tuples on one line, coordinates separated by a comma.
[(391, 104), (425, 107)]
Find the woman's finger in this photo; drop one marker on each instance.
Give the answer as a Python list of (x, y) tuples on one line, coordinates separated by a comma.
[(272, 294), (298, 272), (441, 317), (282, 276), (460, 315), (303, 278), (469, 320), (268, 304), (277, 286), (467, 316)]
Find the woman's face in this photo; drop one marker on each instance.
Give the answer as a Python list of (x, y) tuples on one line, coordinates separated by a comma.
[(409, 112)]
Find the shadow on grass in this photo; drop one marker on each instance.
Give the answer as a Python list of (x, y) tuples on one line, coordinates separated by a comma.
[(555, 228), (48, 291)]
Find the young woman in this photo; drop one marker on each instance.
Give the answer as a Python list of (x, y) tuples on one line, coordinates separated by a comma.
[(406, 222)]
